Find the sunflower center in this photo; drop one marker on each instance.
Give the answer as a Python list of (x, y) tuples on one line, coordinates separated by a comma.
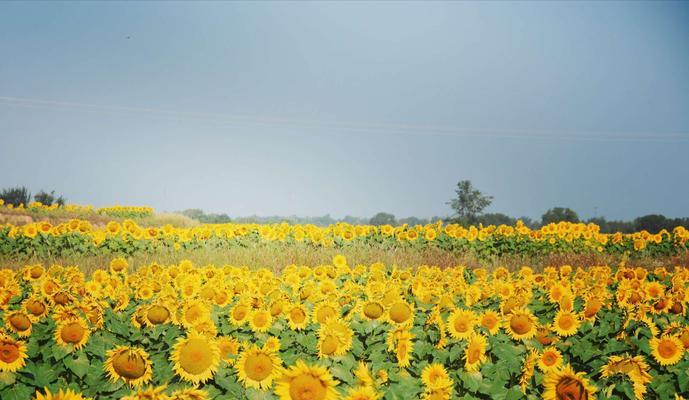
[(307, 387), (489, 321), (8, 352), (667, 349), (239, 313), (36, 272), (297, 315), (36, 308), (72, 333), (260, 320), (549, 359), (329, 345), (373, 310), (192, 314), (20, 322), (258, 367), (400, 312), (157, 314), (129, 365), (61, 298), (474, 354), (566, 321), (461, 325), (195, 356), (520, 324), (324, 313), (570, 389)]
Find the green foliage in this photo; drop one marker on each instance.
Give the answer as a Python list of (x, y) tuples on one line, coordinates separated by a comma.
[(558, 214), (16, 196), (469, 203)]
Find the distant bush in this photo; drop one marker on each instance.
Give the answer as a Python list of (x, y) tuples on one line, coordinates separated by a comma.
[(16, 196), (47, 199)]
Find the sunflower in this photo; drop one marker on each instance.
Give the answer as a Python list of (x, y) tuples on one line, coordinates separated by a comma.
[(362, 393), (549, 359), (434, 376), (306, 382), (229, 348), (60, 395), (667, 350), (18, 322), (72, 332), (189, 394), (475, 352), (128, 364), (35, 308), (239, 314), (194, 312), (400, 312), (257, 368), (405, 347), (325, 311), (12, 354), (195, 358), (297, 317), (564, 383), (260, 321), (461, 323), (566, 323), (634, 367), (490, 321), (119, 265), (334, 338), (521, 324), (363, 375), (372, 310), (150, 393), (157, 314)]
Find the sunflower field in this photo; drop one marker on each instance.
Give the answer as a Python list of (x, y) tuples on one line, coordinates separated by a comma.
[(340, 331), (81, 237)]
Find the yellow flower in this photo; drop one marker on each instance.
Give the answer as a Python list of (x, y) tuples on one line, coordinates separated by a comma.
[(490, 321), (12, 354), (550, 359), (461, 324), (521, 324), (128, 364), (362, 393), (434, 376), (297, 317), (60, 395), (564, 383), (195, 358), (260, 321), (566, 323), (18, 322), (667, 350), (257, 368), (304, 382), (72, 332), (475, 352)]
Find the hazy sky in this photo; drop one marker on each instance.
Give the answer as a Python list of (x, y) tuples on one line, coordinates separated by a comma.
[(349, 108)]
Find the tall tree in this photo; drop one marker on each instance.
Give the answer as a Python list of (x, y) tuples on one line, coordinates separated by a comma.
[(469, 203), (558, 214)]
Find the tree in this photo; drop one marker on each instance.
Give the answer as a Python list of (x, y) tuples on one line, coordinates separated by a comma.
[(47, 199), (558, 214), (653, 223), (495, 219), (382, 218), (16, 196), (469, 203)]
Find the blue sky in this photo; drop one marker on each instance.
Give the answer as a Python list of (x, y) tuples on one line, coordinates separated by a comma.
[(349, 108)]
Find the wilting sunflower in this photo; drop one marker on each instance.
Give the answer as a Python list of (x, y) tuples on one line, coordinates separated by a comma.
[(564, 383), (304, 382), (460, 324), (634, 367), (60, 395), (195, 358), (35, 308), (18, 322), (12, 354), (667, 350), (549, 359), (128, 364), (521, 324), (72, 332), (257, 368), (475, 352), (566, 323)]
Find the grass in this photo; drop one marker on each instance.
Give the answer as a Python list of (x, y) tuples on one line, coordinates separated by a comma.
[(58, 216), (277, 256)]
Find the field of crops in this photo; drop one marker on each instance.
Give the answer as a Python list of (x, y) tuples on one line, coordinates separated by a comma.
[(343, 331)]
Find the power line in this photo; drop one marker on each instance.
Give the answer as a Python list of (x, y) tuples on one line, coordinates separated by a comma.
[(384, 128)]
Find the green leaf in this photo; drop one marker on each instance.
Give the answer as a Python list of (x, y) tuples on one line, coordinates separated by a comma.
[(16, 392), (79, 364)]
